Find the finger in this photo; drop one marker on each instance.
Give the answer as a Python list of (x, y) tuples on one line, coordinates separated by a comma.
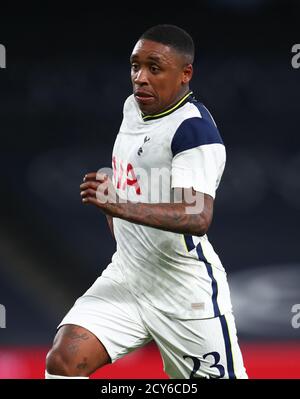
[(88, 193), (90, 184), (101, 177), (90, 176)]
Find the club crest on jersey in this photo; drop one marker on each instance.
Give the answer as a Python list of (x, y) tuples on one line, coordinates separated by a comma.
[(140, 150)]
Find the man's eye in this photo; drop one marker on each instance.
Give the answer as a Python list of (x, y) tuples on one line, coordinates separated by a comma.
[(154, 68), (134, 67)]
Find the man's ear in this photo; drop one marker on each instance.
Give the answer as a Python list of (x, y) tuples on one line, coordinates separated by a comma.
[(187, 73)]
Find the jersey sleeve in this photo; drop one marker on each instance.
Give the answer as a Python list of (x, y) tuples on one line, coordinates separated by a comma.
[(199, 156)]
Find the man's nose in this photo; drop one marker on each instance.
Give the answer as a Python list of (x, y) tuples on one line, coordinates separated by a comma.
[(141, 77)]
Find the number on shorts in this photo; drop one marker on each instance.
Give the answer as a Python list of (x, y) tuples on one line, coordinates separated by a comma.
[(216, 364)]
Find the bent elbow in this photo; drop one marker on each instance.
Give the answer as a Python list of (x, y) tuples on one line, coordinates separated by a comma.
[(202, 226), (201, 232)]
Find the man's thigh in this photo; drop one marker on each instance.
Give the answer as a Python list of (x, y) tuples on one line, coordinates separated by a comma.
[(206, 348), (109, 311)]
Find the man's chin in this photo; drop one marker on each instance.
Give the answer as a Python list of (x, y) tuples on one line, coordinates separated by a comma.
[(147, 106)]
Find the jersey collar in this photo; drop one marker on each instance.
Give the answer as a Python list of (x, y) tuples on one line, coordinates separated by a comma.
[(168, 111)]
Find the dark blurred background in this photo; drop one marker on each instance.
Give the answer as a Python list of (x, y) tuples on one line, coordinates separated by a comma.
[(61, 96)]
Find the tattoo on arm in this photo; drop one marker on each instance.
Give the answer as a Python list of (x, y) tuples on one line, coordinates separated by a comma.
[(170, 217)]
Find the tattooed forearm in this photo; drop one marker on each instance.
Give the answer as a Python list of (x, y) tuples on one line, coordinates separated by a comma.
[(170, 217)]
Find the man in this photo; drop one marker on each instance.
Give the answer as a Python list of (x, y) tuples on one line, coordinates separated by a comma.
[(165, 282)]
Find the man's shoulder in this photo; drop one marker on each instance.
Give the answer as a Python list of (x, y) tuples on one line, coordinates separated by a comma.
[(194, 112), (196, 128), (196, 109), (187, 111)]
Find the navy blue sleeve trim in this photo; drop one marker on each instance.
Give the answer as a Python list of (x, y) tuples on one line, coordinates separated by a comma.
[(194, 132)]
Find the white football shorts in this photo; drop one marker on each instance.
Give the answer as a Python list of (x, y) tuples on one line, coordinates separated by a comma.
[(194, 348)]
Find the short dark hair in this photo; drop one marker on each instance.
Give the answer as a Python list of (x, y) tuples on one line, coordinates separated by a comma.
[(173, 36)]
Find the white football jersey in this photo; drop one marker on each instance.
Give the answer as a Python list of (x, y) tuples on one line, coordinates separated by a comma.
[(179, 274)]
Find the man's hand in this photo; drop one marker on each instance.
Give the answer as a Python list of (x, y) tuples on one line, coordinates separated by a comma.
[(98, 190)]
